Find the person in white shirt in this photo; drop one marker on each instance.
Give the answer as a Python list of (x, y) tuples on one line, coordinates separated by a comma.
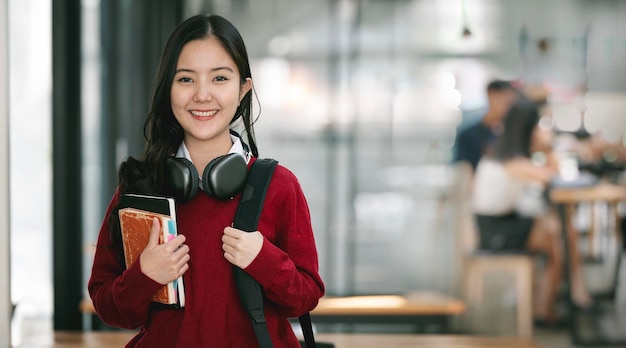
[(511, 207)]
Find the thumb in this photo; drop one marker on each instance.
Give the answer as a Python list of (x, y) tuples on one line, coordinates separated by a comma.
[(155, 231)]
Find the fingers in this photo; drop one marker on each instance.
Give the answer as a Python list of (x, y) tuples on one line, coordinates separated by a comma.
[(176, 243), (177, 252), (229, 249), (181, 252), (241, 248), (179, 261), (234, 237), (233, 232), (229, 257), (183, 269), (183, 262), (227, 240), (164, 262), (155, 232), (231, 238)]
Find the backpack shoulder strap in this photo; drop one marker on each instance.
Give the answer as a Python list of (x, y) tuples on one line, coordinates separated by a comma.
[(253, 195), (247, 219)]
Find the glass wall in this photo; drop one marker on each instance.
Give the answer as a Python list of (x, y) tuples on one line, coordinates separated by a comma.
[(30, 110), (363, 106), (362, 100), (5, 247)]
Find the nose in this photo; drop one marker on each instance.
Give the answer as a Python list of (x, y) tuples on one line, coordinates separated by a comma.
[(203, 93)]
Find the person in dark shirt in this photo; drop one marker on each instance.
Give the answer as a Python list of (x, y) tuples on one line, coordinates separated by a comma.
[(472, 142)]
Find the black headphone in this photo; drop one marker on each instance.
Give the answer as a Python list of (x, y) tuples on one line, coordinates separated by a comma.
[(222, 178)]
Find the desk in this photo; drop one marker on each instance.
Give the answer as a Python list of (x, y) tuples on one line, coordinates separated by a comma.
[(603, 192), (118, 339), (418, 308), (565, 199)]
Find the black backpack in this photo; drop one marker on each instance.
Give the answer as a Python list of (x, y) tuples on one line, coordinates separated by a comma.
[(247, 219)]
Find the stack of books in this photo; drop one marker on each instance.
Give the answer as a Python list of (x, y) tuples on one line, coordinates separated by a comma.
[(136, 214)]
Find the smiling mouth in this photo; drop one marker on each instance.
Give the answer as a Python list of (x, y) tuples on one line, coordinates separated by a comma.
[(203, 113)]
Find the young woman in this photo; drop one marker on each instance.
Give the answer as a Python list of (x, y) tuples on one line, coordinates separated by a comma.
[(204, 85), (511, 208)]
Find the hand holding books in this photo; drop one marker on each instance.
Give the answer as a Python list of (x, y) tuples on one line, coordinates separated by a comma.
[(166, 262), (149, 234)]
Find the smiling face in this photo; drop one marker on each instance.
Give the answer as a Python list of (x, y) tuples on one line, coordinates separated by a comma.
[(206, 91)]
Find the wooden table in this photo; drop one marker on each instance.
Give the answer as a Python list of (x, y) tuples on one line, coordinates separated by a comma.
[(565, 199), (415, 303), (604, 192), (119, 338), (417, 308)]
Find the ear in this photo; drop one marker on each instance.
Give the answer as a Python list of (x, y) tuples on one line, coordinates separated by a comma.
[(245, 88)]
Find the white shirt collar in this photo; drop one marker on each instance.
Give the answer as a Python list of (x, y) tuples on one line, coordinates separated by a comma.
[(237, 148)]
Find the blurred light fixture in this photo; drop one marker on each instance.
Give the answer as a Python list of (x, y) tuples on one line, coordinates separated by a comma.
[(466, 30), (544, 45)]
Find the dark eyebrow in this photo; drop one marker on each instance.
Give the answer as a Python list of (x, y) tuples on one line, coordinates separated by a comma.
[(223, 68), (183, 70), (212, 70)]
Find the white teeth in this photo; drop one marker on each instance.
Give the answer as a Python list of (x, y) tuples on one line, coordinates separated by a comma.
[(203, 113)]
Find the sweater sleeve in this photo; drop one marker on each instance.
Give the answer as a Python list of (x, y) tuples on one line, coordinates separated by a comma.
[(120, 296), (287, 268)]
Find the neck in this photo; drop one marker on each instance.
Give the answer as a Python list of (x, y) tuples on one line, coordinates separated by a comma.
[(491, 119), (203, 152)]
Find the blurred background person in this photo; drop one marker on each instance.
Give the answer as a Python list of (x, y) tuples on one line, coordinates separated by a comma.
[(512, 212), (472, 142)]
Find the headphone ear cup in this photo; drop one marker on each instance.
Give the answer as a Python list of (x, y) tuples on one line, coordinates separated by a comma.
[(181, 179), (225, 176)]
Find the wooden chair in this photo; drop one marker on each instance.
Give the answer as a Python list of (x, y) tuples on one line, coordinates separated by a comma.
[(477, 264)]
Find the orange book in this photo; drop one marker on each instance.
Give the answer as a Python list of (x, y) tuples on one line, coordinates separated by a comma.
[(135, 226)]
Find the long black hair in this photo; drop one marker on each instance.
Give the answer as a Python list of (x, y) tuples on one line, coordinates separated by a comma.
[(519, 125), (162, 131)]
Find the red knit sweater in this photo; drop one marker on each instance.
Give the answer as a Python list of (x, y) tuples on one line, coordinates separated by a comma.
[(286, 268)]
